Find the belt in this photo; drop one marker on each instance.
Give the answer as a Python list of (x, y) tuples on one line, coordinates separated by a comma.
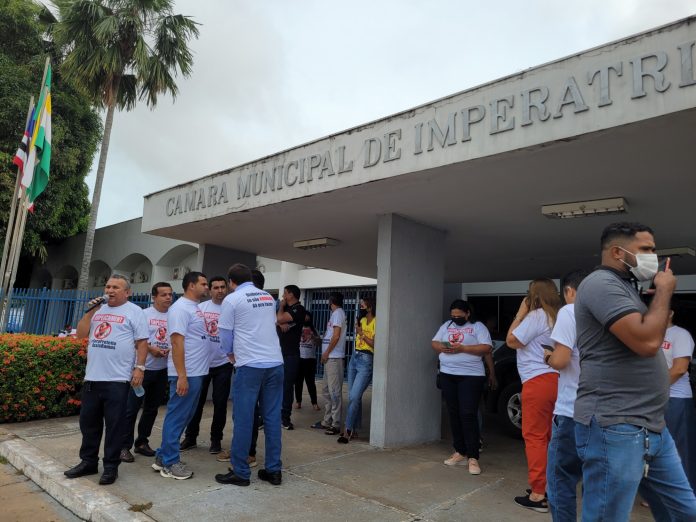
[(364, 351)]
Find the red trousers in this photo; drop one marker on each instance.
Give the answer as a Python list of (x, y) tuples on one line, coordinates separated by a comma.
[(538, 400)]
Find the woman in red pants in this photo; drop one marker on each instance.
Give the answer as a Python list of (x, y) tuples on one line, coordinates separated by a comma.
[(528, 333)]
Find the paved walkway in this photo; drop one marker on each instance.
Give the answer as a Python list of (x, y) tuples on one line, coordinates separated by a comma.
[(24, 501), (322, 480)]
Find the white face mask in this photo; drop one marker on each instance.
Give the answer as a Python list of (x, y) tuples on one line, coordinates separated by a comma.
[(646, 266)]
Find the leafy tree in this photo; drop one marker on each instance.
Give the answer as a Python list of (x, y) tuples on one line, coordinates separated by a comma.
[(62, 210), (119, 52)]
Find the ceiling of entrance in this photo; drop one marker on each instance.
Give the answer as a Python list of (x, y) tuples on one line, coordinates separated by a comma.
[(491, 208)]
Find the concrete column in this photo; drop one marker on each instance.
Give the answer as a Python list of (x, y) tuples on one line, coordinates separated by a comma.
[(406, 405), (289, 275), (215, 260)]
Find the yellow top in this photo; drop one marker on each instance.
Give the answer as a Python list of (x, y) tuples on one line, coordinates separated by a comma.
[(368, 332)]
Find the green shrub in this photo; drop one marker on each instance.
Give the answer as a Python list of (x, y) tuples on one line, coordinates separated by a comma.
[(40, 377)]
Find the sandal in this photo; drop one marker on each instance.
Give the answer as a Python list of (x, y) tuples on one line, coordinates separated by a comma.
[(345, 437), (332, 431), (319, 426)]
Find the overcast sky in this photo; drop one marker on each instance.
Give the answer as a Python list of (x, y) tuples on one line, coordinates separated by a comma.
[(269, 75)]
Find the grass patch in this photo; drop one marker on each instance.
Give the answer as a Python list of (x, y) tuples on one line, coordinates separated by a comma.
[(3, 460), (140, 507)]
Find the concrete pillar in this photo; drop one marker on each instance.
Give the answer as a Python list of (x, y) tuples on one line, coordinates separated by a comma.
[(406, 405), (289, 275), (215, 260)]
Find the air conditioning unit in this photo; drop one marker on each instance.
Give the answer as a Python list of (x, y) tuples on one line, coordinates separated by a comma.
[(141, 277), (180, 272)]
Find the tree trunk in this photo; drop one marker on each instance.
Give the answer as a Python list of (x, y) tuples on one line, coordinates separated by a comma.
[(89, 236)]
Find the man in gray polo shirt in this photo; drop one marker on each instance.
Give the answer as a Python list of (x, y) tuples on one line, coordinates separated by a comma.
[(619, 411)]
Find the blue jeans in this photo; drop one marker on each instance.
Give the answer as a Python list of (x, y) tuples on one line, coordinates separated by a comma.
[(563, 470), (613, 466), (359, 378), (681, 422), (250, 385), (179, 413)]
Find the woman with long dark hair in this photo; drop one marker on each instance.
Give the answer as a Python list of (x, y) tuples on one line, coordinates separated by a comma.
[(360, 366), (461, 343), (529, 332)]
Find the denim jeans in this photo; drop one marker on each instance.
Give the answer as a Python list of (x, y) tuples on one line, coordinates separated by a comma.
[(462, 395), (103, 405), (155, 385), (291, 367), (251, 385), (613, 466), (179, 413), (680, 417), (359, 378), (563, 470), (221, 377)]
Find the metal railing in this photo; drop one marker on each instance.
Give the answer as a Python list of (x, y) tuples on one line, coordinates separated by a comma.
[(46, 312), (317, 302)]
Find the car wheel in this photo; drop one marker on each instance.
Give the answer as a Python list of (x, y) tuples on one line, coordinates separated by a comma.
[(510, 409)]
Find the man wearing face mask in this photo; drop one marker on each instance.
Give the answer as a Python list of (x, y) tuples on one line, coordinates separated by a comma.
[(623, 389)]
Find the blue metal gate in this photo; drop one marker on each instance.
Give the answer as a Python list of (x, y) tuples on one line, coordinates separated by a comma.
[(45, 312), (317, 302)]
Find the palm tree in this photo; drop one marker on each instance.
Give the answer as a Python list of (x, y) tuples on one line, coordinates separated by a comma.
[(118, 52)]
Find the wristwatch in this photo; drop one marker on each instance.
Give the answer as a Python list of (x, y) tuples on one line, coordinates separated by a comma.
[(139, 367)]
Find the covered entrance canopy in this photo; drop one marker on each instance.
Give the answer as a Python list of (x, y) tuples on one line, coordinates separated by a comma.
[(453, 190)]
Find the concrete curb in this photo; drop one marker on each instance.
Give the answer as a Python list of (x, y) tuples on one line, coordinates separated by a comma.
[(84, 498)]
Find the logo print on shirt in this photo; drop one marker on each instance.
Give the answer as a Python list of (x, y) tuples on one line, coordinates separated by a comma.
[(161, 334), (455, 336), (102, 331), (666, 345), (212, 327)]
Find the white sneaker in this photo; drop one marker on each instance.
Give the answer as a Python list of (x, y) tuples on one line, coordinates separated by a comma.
[(177, 471), (456, 460)]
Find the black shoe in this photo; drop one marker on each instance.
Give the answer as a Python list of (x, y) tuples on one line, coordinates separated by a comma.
[(232, 479), (145, 450), (81, 470), (540, 506), (215, 447), (126, 456), (287, 425), (108, 477), (274, 477), (187, 444)]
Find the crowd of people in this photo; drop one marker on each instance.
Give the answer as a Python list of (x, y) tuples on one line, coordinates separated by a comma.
[(601, 405), (193, 344)]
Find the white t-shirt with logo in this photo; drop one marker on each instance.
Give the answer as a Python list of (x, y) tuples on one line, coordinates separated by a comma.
[(211, 314), (468, 334), (564, 333), (185, 318), (250, 314), (533, 331), (308, 349), (159, 337), (678, 343), (338, 318), (112, 335)]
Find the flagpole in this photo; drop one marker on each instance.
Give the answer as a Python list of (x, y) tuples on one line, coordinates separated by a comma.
[(18, 234), (5, 269)]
